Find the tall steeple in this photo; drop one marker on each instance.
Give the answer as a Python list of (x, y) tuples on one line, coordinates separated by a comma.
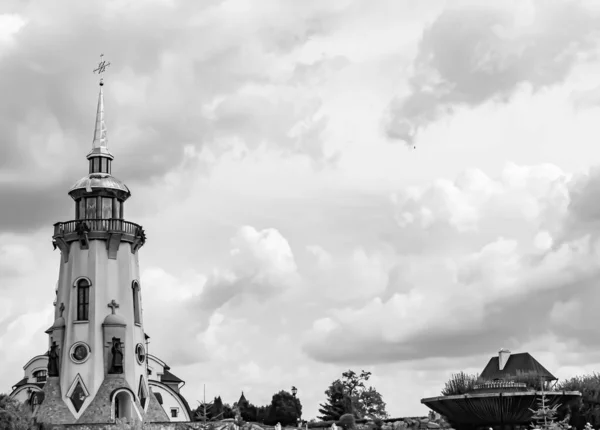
[(100, 157), (100, 137)]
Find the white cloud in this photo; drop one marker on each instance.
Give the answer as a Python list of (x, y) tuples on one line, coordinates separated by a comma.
[(10, 24), (477, 285)]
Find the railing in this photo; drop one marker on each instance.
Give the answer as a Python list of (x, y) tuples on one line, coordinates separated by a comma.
[(500, 384), (92, 225)]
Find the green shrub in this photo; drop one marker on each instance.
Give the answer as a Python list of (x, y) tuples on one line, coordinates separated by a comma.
[(587, 408), (347, 422), (460, 383)]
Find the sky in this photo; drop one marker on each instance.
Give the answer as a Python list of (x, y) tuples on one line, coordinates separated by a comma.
[(403, 187)]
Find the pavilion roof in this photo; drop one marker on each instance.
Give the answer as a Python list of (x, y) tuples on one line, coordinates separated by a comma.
[(520, 364)]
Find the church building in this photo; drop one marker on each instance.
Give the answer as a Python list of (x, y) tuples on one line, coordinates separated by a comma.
[(97, 368)]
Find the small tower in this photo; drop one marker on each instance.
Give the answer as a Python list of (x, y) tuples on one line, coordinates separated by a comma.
[(97, 367)]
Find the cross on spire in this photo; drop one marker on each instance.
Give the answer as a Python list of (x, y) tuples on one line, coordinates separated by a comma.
[(113, 304), (61, 309), (101, 68)]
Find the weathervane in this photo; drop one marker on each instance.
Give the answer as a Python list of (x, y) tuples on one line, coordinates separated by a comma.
[(101, 68)]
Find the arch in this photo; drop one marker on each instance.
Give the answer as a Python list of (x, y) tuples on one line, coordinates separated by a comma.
[(122, 405), (83, 285), (29, 387), (42, 357), (79, 278), (36, 399), (174, 399), (137, 317)]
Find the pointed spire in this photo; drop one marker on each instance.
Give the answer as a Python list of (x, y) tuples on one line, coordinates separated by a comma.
[(100, 143), (100, 137)]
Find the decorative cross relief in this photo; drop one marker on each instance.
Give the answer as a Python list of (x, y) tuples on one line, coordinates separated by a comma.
[(61, 309), (113, 304)]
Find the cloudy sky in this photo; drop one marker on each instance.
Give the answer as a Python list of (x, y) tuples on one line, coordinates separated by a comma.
[(397, 186)]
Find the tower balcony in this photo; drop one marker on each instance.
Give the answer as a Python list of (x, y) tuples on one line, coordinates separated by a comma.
[(112, 230)]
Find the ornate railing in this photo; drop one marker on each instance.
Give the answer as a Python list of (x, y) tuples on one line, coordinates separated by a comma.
[(93, 225)]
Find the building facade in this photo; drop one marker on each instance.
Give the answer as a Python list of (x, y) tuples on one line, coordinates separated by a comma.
[(96, 368)]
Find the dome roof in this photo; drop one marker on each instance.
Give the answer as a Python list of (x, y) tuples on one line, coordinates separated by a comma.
[(60, 322), (100, 180), (114, 319)]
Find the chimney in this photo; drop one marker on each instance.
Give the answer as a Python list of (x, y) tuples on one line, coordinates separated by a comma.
[(503, 356)]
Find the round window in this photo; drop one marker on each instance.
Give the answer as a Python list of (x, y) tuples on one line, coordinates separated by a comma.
[(80, 352), (140, 353)]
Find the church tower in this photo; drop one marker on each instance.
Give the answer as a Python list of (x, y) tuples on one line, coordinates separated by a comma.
[(97, 363)]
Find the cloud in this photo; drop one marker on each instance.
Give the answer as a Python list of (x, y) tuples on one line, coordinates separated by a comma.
[(170, 96), (475, 54), (476, 290), (262, 264)]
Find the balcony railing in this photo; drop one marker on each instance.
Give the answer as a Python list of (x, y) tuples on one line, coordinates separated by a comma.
[(97, 225)]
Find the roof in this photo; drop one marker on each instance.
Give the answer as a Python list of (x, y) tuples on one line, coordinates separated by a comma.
[(173, 392), (518, 365), (20, 383), (186, 404), (100, 180), (169, 377), (242, 399)]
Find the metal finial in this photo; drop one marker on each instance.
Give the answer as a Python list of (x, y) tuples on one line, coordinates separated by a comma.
[(101, 68)]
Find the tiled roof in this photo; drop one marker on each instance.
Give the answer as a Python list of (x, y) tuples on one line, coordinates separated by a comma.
[(169, 377), (517, 365)]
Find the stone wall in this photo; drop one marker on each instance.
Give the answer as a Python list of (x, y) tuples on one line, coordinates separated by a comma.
[(393, 424), (53, 408)]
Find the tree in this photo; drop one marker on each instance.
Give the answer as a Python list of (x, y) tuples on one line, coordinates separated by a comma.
[(350, 395), (371, 404), (285, 409), (336, 404), (228, 411), (13, 414), (262, 414), (218, 409), (203, 412)]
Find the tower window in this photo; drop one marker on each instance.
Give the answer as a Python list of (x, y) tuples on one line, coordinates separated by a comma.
[(174, 412), (136, 302), (81, 212), (83, 300), (90, 212), (107, 210)]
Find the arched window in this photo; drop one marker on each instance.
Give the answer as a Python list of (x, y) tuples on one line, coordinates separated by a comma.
[(40, 375), (83, 300), (35, 400), (136, 302)]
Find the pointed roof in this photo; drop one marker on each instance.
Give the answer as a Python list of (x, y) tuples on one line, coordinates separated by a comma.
[(169, 377), (518, 365), (242, 399), (100, 143)]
